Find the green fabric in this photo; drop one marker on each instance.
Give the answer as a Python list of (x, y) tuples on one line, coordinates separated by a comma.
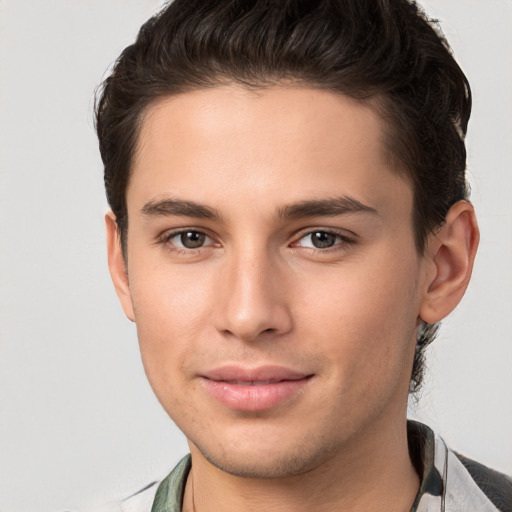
[(169, 495)]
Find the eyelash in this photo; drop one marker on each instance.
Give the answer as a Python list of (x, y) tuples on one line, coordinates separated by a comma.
[(343, 241), (165, 240), (340, 244)]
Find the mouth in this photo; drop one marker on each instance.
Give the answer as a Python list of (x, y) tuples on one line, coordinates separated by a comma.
[(256, 389), (252, 382)]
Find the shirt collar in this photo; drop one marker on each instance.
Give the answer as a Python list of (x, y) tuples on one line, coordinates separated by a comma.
[(169, 496)]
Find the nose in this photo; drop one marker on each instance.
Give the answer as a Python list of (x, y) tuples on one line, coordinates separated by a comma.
[(252, 302)]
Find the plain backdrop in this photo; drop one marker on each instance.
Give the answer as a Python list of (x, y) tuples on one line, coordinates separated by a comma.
[(78, 422)]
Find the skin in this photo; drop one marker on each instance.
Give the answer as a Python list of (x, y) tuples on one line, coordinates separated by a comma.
[(258, 292)]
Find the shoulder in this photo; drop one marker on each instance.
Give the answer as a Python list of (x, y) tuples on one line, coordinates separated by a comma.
[(495, 485), (469, 485), (139, 501), (159, 494), (451, 482)]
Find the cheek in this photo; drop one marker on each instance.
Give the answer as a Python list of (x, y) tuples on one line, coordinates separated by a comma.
[(170, 298), (364, 317), (172, 311)]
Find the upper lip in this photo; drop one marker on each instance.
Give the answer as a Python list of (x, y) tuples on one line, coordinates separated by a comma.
[(268, 373)]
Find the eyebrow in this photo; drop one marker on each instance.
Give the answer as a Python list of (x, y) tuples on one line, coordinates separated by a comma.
[(177, 207), (325, 208), (343, 205)]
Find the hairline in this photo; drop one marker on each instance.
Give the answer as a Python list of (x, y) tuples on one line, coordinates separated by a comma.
[(378, 102)]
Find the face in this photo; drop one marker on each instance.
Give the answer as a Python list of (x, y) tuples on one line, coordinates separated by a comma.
[(272, 274)]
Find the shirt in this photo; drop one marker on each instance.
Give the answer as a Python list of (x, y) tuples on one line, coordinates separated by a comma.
[(449, 481)]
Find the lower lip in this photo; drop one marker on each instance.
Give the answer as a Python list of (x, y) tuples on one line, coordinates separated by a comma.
[(254, 398)]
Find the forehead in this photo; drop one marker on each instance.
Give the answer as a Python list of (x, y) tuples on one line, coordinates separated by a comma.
[(268, 146)]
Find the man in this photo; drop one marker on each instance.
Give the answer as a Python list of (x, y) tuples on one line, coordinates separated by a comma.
[(289, 223)]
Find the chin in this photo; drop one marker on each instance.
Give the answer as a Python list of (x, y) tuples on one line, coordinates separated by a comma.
[(269, 461)]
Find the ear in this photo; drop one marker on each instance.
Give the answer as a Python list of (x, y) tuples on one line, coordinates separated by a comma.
[(117, 265), (452, 251)]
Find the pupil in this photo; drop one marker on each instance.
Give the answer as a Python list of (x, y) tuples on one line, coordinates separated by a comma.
[(192, 239), (321, 239)]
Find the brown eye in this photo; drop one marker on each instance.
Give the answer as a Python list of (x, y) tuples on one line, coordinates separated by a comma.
[(192, 239), (188, 242), (323, 239)]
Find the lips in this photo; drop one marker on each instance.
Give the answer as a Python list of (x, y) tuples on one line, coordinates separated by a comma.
[(256, 389), (252, 382)]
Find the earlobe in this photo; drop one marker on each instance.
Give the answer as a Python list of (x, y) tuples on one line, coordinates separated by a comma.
[(117, 265), (452, 250)]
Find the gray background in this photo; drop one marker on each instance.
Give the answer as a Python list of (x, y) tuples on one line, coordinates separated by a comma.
[(78, 421)]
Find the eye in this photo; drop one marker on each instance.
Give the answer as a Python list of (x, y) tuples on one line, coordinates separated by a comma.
[(321, 240), (188, 239)]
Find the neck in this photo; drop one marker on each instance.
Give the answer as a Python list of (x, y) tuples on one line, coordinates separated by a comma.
[(373, 472)]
